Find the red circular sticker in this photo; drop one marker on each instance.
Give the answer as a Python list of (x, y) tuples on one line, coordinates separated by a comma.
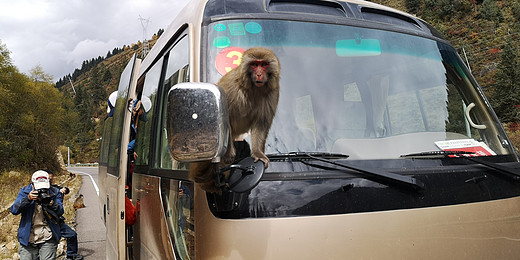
[(228, 59)]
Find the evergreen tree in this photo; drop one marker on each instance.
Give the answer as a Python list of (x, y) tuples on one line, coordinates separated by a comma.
[(505, 96), (491, 11), (107, 76), (99, 93), (413, 6), (84, 128), (515, 8), (446, 8)]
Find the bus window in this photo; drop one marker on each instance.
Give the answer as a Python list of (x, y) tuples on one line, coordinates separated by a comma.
[(105, 141), (177, 71), (144, 133), (178, 207), (118, 118)]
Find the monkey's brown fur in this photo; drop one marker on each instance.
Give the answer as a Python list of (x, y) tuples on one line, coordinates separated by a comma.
[(78, 203), (252, 104)]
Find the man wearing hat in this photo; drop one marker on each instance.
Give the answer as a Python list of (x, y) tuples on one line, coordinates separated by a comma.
[(41, 207)]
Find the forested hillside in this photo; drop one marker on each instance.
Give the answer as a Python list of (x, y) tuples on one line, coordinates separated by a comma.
[(89, 87), (485, 33)]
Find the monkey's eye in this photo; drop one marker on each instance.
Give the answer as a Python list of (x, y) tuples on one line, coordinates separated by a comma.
[(259, 63)]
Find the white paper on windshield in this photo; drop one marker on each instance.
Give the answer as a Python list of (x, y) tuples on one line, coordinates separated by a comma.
[(467, 145)]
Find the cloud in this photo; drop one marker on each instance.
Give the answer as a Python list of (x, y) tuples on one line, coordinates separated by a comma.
[(89, 48), (60, 35)]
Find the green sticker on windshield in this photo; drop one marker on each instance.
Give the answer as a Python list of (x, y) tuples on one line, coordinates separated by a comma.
[(253, 27), (236, 29), (221, 42), (220, 27), (358, 47)]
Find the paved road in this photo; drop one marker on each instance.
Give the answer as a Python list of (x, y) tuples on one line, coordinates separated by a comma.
[(90, 227)]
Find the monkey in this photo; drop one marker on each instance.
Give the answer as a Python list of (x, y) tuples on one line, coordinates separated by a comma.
[(252, 90), (78, 203)]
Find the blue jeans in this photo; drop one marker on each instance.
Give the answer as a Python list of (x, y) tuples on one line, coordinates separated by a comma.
[(72, 239), (46, 250)]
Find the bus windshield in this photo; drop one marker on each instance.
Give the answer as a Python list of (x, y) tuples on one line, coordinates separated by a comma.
[(367, 93)]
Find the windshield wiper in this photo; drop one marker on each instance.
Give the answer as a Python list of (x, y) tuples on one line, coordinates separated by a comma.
[(305, 155), (509, 172), (386, 178)]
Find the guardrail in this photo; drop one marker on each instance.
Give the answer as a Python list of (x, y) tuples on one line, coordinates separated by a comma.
[(84, 165)]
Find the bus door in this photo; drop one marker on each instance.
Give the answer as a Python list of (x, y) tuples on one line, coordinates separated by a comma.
[(115, 179)]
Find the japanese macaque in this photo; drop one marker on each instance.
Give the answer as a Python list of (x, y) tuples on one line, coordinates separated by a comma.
[(78, 203), (252, 91)]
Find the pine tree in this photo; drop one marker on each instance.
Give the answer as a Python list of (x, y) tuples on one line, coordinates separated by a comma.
[(505, 96), (99, 92), (491, 11), (515, 8), (413, 6)]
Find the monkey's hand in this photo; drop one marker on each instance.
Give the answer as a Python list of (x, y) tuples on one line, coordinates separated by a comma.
[(262, 157)]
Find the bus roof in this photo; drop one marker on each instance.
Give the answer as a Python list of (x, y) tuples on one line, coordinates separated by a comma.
[(200, 12)]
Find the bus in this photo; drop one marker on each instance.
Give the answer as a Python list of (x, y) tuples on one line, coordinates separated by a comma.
[(383, 144)]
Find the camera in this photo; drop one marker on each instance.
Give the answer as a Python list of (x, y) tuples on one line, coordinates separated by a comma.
[(43, 195)]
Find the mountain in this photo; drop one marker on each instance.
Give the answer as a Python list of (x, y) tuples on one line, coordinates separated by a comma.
[(89, 88)]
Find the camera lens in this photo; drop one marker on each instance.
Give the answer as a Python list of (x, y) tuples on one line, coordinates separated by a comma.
[(43, 195)]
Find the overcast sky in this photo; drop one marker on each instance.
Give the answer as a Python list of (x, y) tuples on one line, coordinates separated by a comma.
[(59, 35)]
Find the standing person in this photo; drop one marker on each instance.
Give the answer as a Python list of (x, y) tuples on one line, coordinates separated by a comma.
[(41, 207), (65, 230)]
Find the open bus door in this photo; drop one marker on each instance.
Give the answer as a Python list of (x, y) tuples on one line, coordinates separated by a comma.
[(113, 179)]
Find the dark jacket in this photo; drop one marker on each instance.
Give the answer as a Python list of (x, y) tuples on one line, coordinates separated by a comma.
[(23, 205)]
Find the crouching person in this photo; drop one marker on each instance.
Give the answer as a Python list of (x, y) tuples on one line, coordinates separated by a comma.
[(66, 231), (41, 207)]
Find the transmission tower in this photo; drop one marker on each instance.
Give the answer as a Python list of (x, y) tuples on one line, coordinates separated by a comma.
[(144, 24)]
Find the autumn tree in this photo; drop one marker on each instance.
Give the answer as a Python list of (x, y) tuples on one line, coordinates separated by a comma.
[(32, 117)]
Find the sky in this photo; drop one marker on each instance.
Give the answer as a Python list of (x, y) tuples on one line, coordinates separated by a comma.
[(59, 35)]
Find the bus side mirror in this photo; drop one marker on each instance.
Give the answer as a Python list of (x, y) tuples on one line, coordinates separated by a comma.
[(197, 122)]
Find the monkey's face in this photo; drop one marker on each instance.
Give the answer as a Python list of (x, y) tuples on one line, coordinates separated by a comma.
[(259, 72)]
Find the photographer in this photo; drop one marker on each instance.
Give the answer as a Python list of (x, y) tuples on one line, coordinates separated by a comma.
[(41, 207)]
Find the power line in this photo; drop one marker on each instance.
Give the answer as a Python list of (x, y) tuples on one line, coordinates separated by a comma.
[(144, 24)]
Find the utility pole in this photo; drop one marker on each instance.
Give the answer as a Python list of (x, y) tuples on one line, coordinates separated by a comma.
[(146, 46), (72, 86)]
